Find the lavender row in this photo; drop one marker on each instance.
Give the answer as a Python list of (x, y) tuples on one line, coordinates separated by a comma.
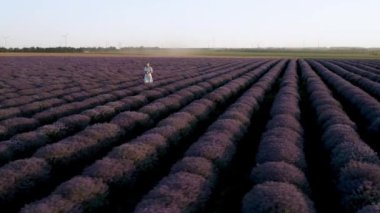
[(364, 83), (65, 126), (20, 176), (72, 108), (85, 145), (367, 106), (123, 164), (81, 95), (156, 110), (355, 165), (31, 108), (67, 93), (279, 180), (120, 80), (99, 89), (64, 75), (366, 72), (138, 89), (367, 64), (191, 181), (62, 88)]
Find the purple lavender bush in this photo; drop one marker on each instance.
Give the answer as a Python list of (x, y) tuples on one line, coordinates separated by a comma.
[(155, 110), (185, 191), (287, 121), (144, 156), (238, 116), (346, 151), (359, 185), (132, 120), (89, 192), (21, 144), (75, 122), (196, 165), (78, 194), (229, 126), (54, 131), (9, 112), (113, 171), (244, 108), (184, 122), (280, 172), (276, 197), (21, 176), (281, 151), (213, 146), (283, 134), (135, 101), (54, 203), (19, 124), (337, 134), (170, 133), (199, 110), (100, 113)]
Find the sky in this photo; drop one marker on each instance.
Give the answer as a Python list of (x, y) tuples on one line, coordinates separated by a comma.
[(190, 23)]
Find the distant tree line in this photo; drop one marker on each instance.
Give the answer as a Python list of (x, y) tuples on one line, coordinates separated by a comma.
[(70, 49), (43, 50)]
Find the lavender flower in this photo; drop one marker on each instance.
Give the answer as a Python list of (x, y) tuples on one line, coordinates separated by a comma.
[(182, 190), (236, 115), (280, 172), (359, 184), (182, 121), (83, 190), (281, 151), (287, 121), (112, 171), (198, 110), (346, 151), (337, 134), (19, 124), (75, 122), (170, 133), (230, 127), (283, 134), (276, 197), (131, 120), (18, 177), (247, 109), (215, 147), (135, 101), (53, 203), (100, 113), (196, 165), (9, 112), (142, 155)]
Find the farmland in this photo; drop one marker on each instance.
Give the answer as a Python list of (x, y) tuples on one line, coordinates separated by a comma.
[(84, 134)]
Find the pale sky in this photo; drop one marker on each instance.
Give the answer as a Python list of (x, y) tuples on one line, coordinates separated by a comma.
[(190, 23)]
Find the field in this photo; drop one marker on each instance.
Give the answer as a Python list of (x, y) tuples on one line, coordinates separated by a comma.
[(322, 53), (84, 134)]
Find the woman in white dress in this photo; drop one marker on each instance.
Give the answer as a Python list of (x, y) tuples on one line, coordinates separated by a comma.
[(148, 70)]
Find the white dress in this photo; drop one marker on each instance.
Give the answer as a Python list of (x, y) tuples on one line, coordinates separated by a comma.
[(148, 75)]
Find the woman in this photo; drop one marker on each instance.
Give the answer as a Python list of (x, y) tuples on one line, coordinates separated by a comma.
[(148, 74)]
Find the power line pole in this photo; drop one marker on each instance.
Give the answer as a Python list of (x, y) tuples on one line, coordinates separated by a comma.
[(65, 38), (5, 40)]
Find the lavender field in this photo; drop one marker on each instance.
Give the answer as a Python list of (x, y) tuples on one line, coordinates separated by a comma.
[(85, 134)]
